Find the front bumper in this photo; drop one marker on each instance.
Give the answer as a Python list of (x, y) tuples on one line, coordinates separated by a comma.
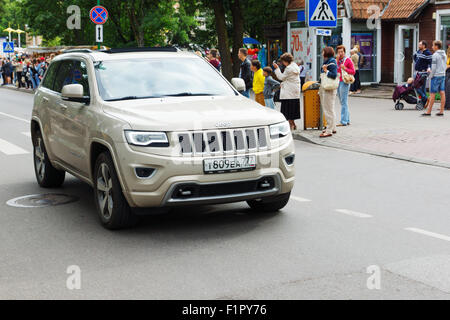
[(172, 172)]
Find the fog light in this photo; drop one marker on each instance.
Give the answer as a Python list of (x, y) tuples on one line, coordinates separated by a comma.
[(144, 173), (290, 159)]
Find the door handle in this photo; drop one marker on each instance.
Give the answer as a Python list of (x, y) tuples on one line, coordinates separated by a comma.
[(45, 99), (63, 107)]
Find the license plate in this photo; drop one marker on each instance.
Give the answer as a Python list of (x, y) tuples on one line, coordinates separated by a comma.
[(229, 164)]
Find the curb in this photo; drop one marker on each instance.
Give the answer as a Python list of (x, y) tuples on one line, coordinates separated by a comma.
[(302, 137), (370, 97), (17, 89)]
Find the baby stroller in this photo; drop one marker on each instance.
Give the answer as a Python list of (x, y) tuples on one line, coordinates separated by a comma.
[(409, 94)]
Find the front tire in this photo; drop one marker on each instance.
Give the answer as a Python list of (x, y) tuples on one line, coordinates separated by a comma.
[(46, 174), (112, 207), (270, 204)]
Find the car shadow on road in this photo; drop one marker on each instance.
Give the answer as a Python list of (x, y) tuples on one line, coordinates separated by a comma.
[(214, 219)]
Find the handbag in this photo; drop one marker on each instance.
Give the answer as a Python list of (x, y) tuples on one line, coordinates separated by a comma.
[(328, 83), (348, 78)]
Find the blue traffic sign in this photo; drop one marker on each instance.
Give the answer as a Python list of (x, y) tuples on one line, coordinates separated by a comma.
[(98, 15), (8, 47), (322, 13)]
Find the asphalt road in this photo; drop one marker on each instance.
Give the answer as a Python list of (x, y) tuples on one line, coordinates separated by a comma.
[(350, 213)]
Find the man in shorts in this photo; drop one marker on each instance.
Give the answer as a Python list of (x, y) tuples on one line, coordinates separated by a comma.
[(437, 75)]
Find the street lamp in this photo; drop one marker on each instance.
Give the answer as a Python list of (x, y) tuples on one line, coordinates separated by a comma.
[(9, 30), (18, 31)]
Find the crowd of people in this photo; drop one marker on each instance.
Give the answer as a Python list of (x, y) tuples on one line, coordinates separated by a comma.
[(23, 71), (288, 77)]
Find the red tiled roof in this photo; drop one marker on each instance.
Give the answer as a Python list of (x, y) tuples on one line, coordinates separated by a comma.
[(402, 9), (296, 4), (396, 9), (360, 7)]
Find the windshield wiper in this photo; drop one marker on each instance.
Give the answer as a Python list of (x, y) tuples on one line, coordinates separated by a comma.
[(186, 94), (132, 98)]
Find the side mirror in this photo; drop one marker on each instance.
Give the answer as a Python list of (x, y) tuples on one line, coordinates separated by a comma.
[(74, 92), (238, 84)]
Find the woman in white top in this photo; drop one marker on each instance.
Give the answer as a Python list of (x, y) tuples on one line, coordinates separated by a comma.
[(290, 88)]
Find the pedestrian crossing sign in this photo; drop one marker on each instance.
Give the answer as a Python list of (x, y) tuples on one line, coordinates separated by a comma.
[(8, 47), (322, 13)]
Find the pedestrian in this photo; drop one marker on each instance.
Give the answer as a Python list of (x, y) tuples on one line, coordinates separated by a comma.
[(447, 80), (213, 59), (437, 76), (422, 63), (270, 86), (245, 72), (356, 86), (290, 88), (258, 82), (302, 67), (2, 62), (328, 97), (345, 64), (7, 70), (19, 72)]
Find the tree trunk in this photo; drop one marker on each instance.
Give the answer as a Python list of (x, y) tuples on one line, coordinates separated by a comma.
[(238, 34), (224, 49), (135, 24)]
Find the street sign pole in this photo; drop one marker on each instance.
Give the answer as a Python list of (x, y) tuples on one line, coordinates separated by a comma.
[(99, 16), (98, 43)]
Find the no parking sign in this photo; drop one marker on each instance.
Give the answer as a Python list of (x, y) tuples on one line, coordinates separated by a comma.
[(99, 15)]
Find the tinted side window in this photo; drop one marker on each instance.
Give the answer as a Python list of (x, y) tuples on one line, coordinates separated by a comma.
[(50, 75), (63, 73), (72, 72)]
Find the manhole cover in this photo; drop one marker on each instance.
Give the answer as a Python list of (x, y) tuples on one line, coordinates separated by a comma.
[(41, 200)]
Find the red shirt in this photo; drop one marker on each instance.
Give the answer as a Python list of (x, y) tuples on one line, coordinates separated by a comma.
[(349, 67)]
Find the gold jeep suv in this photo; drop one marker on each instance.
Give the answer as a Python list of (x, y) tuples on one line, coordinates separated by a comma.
[(157, 127)]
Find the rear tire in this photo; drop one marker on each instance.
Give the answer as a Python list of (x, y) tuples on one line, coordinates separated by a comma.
[(270, 204), (46, 174), (112, 207)]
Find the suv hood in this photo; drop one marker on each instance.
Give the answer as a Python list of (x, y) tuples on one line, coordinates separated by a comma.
[(192, 113)]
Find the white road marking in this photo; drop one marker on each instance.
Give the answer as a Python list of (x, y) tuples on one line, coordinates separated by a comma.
[(11, 149), (429, 233), (354, 213), (14, 117), (300, 199), (28, 134)]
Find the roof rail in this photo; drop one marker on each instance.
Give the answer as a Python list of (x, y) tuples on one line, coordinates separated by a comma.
[(78, 50), (142, 49)]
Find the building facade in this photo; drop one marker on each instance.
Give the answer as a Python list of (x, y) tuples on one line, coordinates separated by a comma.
[(387, 32)]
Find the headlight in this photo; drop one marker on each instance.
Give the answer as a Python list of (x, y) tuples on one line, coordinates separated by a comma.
[(147, 139), (280, 130)]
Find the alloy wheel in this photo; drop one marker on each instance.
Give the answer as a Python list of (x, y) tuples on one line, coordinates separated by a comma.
[(105, 191), (39, 158)]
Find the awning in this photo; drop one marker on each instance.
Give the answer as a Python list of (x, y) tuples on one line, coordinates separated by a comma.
[(251, 41)]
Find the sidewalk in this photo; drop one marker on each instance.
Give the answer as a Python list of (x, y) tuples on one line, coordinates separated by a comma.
[(13, 87), (376, 128)]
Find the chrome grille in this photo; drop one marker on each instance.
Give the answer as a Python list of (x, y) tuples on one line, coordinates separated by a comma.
[(234, 140)]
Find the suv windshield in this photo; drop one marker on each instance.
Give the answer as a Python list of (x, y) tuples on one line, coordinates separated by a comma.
[(153, 78)]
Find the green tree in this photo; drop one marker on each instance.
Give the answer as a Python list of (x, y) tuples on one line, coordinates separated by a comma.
[(131, 23)]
